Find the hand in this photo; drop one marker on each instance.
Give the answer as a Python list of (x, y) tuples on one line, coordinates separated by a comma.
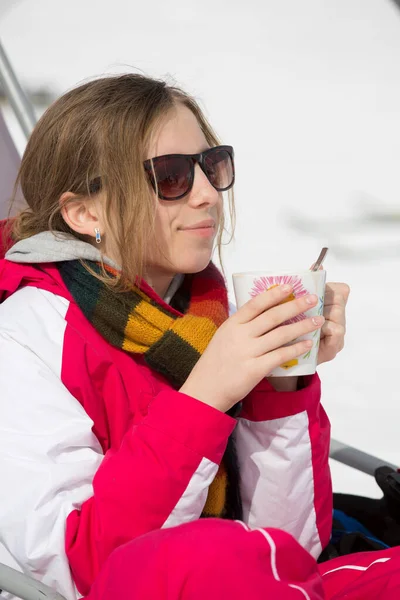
[(249, 345), (334, 328), (332, 333)]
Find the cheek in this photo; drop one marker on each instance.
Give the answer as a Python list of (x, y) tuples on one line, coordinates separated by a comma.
[(217, 210), (166, 216)]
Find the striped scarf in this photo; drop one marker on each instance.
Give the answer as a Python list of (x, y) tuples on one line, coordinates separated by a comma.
[(171, 342)]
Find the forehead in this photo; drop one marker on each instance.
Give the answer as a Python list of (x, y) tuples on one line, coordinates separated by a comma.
[(179, 133)]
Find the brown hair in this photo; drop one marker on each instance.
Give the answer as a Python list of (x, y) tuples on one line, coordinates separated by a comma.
[(102, 127)]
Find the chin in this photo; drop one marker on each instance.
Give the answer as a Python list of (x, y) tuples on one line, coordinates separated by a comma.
[(195, 265)]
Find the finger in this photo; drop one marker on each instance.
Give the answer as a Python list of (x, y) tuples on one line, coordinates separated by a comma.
[(331, 343), (327, 353), (330, 329), (262, 302), (286, 334), (332, 336), (285, 311), (336, 314), (270, 361), (337, 293)]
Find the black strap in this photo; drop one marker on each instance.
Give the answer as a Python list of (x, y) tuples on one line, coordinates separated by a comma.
[(380, 516)]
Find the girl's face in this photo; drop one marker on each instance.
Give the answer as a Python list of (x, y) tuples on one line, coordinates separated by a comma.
[(185, 229)]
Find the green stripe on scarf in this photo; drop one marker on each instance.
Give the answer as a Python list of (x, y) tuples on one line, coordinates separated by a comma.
[(173, 357)]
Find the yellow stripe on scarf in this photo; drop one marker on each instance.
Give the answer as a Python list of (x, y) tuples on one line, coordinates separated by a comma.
[(216, 497), (145, 326), (196, 331)]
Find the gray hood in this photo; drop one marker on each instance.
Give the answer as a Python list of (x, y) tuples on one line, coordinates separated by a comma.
[(48, 247)]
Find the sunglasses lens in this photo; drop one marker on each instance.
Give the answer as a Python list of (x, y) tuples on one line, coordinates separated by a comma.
[(173, 176), (218, 165)]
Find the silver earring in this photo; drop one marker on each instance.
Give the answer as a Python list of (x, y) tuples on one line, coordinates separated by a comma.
[(98, 235)]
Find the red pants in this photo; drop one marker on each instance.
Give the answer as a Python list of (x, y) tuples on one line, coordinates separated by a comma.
[(212, 559)]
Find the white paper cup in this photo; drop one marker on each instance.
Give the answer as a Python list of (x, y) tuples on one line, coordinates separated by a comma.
[(248, 285)]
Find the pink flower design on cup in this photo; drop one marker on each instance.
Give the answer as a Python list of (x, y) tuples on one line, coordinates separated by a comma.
[(262, 284)]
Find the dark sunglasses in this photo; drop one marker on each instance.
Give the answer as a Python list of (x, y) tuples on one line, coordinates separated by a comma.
[(172, 175)]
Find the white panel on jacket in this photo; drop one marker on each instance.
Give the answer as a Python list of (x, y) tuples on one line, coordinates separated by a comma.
[(277, 477), (193, 500), (49, 454)]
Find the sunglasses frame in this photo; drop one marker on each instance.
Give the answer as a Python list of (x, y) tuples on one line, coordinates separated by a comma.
[(195, 159)]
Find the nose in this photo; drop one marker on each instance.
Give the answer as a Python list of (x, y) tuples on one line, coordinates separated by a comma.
[(202, 192)]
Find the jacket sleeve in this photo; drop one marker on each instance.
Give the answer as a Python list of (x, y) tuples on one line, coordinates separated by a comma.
[(283, 449), (158, 478), (65, 505)]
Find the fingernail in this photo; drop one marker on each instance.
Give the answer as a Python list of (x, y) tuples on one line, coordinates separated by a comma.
[(311, 299), (286, 288), (318, 320)]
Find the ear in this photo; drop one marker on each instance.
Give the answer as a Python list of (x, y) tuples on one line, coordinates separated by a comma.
[(81, 214)]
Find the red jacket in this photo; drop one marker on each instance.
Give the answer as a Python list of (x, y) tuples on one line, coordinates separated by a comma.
[(100, 449)]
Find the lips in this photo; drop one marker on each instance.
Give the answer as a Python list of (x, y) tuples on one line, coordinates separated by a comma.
[(207, 224)]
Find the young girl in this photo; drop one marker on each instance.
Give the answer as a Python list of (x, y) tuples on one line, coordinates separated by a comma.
[(132, 405)]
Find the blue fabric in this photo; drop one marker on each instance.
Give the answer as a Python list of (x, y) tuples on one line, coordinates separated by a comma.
[(350, 525)]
